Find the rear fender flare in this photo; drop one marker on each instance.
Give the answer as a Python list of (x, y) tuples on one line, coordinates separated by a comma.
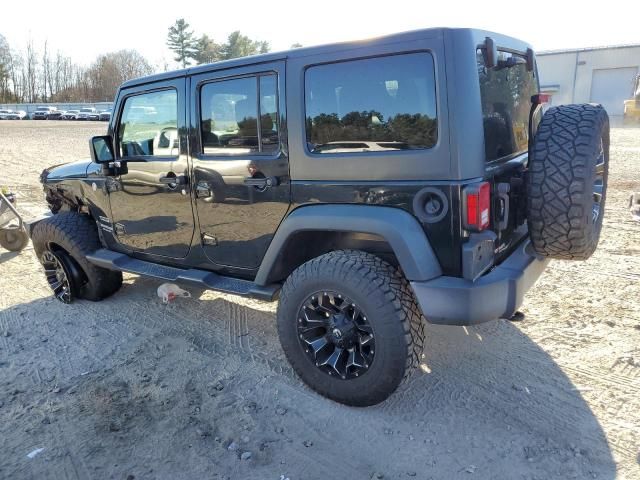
[(398, 227)]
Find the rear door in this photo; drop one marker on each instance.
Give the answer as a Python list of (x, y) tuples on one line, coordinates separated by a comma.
[(151, 203), (240, 161)]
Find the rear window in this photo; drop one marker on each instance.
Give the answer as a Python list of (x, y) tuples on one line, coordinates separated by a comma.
[(374, 104), (505, 91)]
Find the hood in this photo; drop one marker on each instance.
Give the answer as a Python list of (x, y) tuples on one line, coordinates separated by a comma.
[(76, 169)]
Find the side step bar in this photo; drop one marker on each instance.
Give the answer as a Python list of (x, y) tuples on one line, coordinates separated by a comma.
[(119, 261)]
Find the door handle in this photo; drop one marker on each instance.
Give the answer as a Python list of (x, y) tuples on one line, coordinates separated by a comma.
[(172, 179), (262, 182)]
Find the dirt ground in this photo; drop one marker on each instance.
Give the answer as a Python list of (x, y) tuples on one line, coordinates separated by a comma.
[(129, 388)]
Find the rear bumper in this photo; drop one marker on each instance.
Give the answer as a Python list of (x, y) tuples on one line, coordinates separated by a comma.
[(498, 294)]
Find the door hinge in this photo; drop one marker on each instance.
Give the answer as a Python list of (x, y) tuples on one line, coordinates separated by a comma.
[(209, 240), (112, 185), (203, 190)]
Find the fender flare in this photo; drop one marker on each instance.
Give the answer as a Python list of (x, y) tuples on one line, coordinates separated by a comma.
[(398, 227)]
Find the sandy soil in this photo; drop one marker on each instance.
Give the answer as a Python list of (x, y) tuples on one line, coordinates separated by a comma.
[(130, 388)]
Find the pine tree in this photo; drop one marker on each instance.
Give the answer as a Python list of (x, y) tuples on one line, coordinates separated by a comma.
[(182, 42), (207, 51), (239, 45)]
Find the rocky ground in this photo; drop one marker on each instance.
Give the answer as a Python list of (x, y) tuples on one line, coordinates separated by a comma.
[(129, 388)]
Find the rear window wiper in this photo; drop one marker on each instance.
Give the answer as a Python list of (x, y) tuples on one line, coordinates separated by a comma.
[(509, 62)]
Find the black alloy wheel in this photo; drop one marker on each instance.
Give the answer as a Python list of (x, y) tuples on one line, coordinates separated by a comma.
[(335, 334), (59, 271), (598, 184), (350, 326)]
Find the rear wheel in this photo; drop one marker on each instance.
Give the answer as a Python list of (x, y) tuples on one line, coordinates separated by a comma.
[(567, 181), (14, 239), (61, 243), (350, 327)]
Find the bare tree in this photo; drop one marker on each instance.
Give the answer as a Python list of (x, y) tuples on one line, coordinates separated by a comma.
[(34, 76), (31, 72)]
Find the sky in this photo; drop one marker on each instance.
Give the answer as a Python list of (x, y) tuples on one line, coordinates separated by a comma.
[(83, 30)]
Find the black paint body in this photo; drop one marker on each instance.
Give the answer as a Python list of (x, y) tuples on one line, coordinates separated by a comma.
[(214, 221)]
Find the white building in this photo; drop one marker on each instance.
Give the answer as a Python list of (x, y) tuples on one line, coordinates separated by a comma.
[(602, 75)]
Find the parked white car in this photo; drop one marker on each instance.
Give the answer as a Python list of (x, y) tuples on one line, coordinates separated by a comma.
[(85, 112), (42, 113), (17, 115), (13, 115), (70, 115)]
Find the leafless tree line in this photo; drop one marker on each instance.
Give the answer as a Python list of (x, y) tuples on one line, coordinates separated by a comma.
[(39, 75)]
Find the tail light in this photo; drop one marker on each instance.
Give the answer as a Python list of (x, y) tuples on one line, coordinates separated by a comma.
[(477, 205)]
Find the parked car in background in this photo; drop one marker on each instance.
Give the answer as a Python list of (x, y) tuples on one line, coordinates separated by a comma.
[(105, 116), (84, 113), (4, 114), (56, 115), (70, 115), (17, 115), (95, 116), (42, 113)]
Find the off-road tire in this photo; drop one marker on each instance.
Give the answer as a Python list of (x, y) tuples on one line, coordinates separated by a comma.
[(390, 306), (13, 239), (77, 235), (562, 168)]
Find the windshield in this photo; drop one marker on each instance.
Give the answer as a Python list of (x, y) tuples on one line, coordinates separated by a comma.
[(505, 92)]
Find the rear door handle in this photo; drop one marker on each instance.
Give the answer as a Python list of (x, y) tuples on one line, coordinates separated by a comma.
[(173, 179), (262, 182)]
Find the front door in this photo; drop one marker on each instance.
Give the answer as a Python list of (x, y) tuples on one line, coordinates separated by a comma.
[(240, 162), (151, 202)]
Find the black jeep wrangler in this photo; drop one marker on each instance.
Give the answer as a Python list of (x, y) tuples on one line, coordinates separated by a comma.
[(367, 185)]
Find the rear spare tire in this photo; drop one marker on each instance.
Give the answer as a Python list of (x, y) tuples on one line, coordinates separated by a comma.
[(567, 181)]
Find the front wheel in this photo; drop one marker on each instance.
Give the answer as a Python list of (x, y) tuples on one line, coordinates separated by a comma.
[(61, 243), (350, 326)]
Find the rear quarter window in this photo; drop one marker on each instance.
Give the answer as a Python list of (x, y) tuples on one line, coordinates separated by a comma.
[(374, 104)]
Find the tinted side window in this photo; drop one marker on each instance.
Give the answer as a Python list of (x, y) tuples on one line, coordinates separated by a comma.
[(505, 92), (230, 122), (149, 125), (376, 104)]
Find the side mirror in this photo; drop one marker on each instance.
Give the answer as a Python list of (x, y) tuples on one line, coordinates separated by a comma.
[(490, 53), (101, 149)]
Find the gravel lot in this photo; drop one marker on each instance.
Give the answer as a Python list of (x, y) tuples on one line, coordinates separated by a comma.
[(130, 388)]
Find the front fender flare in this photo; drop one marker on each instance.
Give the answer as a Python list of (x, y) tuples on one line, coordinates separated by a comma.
[(398, 227)]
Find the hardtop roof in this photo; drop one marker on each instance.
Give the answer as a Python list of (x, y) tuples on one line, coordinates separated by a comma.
[(309, 51)]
